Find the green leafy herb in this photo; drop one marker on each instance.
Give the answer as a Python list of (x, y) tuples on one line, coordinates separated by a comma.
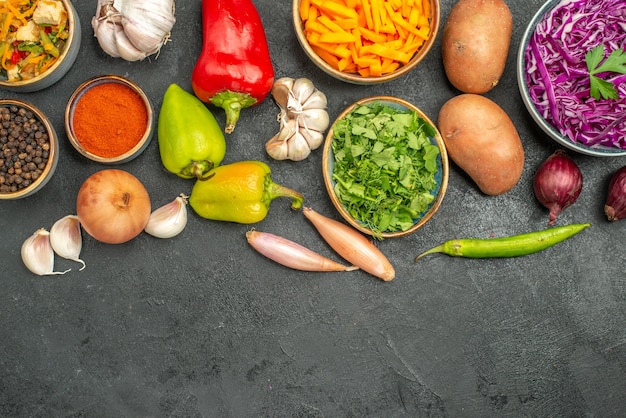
[(615, 62), (385, 166)]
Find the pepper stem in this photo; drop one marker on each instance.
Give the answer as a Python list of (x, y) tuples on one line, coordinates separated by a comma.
[(437, 249), (274, 190), (198, 169), (232, 103)]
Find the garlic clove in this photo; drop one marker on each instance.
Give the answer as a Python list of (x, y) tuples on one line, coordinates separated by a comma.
[(298, 147), (169, 220), (104, 31), (66, 239), (313, 138), (314, 119), (317, 100), (302, 89), (38, 255), (148, 23), (281, 91), (288, 128), (277, 149), (125, 47)]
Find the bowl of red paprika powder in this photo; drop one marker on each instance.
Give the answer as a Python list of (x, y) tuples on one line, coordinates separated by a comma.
[(109, 119)]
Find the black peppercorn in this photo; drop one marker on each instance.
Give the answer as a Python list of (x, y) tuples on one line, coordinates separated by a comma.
[(24, 148)]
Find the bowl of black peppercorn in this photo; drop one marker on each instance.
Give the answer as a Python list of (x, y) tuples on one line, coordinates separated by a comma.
[(29, 150)]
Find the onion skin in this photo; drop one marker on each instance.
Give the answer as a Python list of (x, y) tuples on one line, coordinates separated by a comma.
[(351, 245), (615, 207), (291, 254), (113, 206), (557, 183)]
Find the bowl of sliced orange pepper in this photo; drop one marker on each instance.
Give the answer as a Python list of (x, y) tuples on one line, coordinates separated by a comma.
[(39, 42), (366, 41)]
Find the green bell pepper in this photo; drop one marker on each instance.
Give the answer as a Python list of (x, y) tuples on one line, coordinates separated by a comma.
[(191, 142)]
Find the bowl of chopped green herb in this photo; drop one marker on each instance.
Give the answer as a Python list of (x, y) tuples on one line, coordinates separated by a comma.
[(385, 166), (571, 74)]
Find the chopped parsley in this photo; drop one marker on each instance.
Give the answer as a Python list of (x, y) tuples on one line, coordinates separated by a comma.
[(385, 166)]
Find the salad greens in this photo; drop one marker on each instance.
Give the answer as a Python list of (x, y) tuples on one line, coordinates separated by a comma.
[(615, 62), (385, 166)]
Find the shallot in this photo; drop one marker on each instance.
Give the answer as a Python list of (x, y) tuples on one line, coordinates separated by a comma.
[(351, 245), (615, 207), (557, 184), (292, 254)]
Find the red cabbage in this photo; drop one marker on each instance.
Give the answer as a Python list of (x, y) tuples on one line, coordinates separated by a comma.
[(557, 76)]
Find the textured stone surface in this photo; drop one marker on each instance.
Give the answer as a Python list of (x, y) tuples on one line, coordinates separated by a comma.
[(201, 325)]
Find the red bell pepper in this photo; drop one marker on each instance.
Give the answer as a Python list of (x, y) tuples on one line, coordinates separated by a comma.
[(234, 70)]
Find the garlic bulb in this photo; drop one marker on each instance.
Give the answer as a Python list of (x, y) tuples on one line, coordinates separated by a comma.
[(38, 255), (303, 119), (169, 220), (66, 239), (133, 29)]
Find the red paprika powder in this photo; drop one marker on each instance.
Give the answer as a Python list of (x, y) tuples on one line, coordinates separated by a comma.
[(110, 119)]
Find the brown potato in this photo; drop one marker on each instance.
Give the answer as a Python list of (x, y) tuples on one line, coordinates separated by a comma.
[(475, 44), (482, 140)]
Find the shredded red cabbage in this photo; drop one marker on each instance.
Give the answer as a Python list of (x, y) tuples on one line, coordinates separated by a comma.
[(557, 76)]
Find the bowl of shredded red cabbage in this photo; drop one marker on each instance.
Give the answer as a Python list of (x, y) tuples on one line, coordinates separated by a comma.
[(571, 71)]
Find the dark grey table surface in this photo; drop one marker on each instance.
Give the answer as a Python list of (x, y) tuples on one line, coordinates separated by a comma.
[(202, 325)]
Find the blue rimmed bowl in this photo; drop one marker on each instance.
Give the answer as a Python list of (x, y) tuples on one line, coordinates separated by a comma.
[(441, 176), (545, 125)]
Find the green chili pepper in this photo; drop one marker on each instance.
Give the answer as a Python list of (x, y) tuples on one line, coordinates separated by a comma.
[(239, 192), (191, 142), (512, 246)]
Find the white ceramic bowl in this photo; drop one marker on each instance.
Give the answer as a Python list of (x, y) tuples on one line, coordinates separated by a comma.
[(441, 177), (546, 126), (136, 150), (53, 151), (60, 67), (355, 78)]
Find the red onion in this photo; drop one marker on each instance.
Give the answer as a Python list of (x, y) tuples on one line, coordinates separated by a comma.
[(615, 207), (558, 183)]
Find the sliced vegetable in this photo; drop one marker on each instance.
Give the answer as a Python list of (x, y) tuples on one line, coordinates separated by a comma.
[(369, 37), (512, 246), (558, 78), (32, 37)]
